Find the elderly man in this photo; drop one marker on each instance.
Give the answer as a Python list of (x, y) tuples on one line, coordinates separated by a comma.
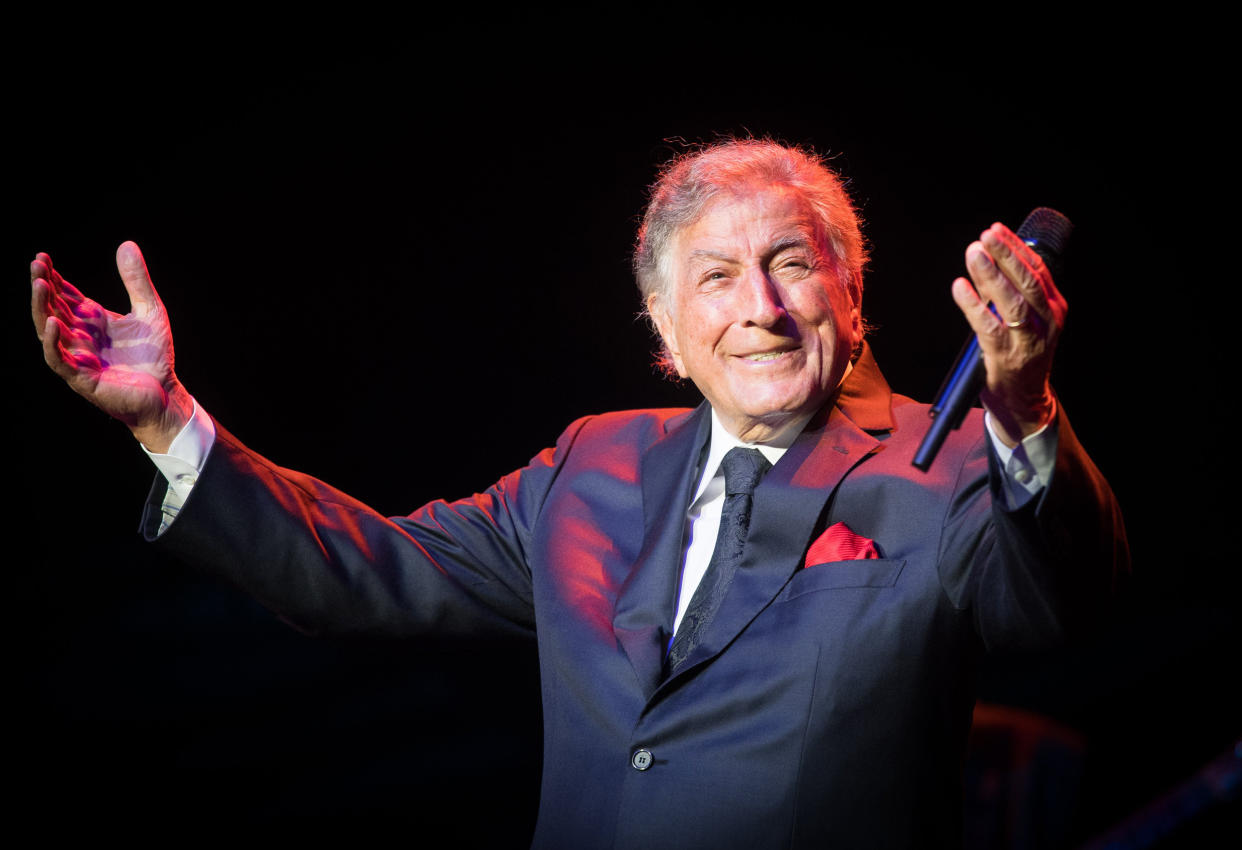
[(757, 622)]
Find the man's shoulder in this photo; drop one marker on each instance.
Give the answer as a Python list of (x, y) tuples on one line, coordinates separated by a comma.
[(621, 439), (912, 414), (632, 426), (912, 420)]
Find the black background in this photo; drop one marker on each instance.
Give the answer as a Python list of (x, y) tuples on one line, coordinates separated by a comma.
[(400, 262)]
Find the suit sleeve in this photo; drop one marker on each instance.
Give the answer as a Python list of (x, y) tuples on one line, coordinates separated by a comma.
[(1043, 572), (329, 564)]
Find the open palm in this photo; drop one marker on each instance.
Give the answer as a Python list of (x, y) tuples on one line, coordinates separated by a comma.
[(121, 363)]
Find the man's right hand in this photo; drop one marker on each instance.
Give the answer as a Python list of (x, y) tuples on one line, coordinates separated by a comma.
[(121, 364)]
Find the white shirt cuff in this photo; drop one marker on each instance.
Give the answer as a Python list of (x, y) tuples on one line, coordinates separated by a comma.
[(183, 462), (1028, 466)]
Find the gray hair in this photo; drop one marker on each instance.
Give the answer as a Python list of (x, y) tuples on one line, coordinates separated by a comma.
[(691, 181)]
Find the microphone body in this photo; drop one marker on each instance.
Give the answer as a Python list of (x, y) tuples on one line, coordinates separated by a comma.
[(1046, 231)]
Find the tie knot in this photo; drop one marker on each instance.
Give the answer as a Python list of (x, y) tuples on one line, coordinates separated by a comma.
[(742, 470)]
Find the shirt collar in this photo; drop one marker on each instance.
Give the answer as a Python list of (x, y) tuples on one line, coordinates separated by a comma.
[(722, 441)]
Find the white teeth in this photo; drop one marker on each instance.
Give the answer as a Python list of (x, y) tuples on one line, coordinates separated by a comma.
[(769, 356)]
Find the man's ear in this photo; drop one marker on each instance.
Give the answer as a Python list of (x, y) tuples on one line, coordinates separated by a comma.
[(854, 290), (658, 310)]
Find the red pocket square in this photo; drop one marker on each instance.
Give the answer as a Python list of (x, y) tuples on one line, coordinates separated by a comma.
[(838, 543)]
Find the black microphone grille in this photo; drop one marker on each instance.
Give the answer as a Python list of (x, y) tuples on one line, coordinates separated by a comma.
[(1047, 231)]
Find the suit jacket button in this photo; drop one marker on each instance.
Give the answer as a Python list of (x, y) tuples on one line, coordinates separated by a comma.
[(641, 760)]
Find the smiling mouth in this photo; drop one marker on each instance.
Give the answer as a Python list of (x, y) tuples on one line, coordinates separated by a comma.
[(767, 356)]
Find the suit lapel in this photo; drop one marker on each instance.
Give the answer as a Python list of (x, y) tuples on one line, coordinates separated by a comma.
[(790, 500), (787, 505), (643, 619)]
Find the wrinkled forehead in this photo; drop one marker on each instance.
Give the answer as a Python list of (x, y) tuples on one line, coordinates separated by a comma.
[(753, 220)]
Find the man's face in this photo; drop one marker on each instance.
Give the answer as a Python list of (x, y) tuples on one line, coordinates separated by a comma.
[(757, 316)]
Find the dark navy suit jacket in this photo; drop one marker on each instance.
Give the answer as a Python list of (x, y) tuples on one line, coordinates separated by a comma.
[(827, 705)]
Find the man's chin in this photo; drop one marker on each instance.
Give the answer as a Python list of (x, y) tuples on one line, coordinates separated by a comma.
[(777, 407), (762, 424)]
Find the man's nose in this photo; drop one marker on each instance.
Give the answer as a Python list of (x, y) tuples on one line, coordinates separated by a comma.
[(761, 301)]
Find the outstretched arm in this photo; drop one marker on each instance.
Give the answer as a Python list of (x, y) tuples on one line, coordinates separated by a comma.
[(123, 364)]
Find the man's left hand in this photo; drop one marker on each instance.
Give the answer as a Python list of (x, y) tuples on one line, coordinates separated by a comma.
[(1018, 340)]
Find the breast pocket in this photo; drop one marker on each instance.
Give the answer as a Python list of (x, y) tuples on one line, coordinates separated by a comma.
[(836, 575)]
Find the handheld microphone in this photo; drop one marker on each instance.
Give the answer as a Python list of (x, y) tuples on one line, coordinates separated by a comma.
[(1046, 231)]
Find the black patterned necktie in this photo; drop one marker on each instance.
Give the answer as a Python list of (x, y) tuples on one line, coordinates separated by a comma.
[(742, 470)]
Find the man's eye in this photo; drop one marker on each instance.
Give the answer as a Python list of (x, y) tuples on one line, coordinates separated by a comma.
[(793, 266)]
